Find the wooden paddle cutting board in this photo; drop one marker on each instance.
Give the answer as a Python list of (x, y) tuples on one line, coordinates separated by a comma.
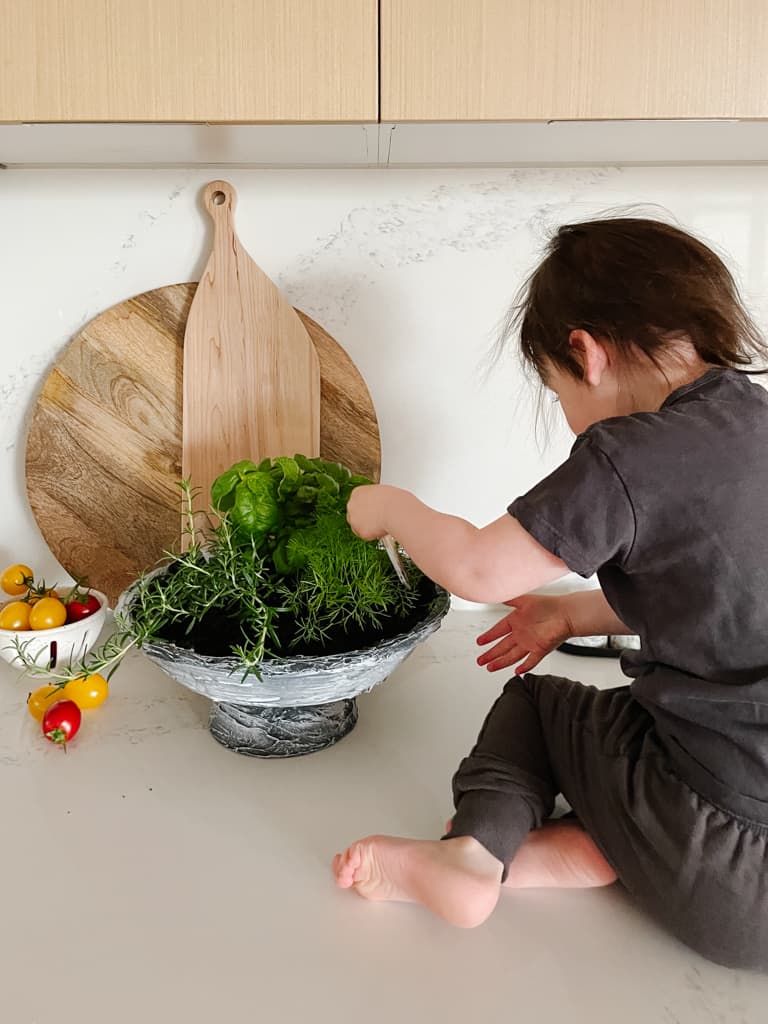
[(103, 456), (251, 375)]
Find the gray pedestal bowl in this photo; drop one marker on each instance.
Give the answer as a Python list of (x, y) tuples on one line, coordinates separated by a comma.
[(301, 704)]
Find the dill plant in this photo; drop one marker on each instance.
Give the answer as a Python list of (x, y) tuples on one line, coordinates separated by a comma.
[(342, 582)]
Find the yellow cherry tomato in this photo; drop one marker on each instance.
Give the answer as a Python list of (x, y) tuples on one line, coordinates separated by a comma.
[(87, 691), (12, 580), (42, 699), (48, 613), (15, 615)]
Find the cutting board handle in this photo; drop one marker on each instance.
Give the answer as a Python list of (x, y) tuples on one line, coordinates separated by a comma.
[(220, 200)]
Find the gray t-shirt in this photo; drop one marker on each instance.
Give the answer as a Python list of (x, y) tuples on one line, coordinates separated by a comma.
[(670, 509)]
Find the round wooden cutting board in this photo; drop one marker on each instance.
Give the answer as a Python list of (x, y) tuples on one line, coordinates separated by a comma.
[(103, 456)]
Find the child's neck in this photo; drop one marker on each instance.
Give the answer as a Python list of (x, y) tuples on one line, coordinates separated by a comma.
[(646, 391)]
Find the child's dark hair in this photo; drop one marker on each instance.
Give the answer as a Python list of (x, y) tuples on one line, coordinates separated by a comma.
[(639, 284)]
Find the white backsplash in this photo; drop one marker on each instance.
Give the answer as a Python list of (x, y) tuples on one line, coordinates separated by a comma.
[(411, 271)]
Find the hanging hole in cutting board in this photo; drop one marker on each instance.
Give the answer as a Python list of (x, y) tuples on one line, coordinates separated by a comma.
[(218, 198)]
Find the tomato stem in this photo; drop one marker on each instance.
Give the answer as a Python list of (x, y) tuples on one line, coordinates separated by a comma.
[(59, 736)]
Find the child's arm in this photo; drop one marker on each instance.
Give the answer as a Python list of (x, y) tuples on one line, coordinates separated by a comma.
[(589, 614), (483, 565)]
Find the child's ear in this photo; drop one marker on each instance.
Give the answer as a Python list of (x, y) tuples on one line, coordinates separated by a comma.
[(591, 354)]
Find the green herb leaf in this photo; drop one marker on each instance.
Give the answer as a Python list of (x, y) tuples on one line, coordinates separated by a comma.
[(339, 473), (255, 511), (305, 464), (288, 558), (306, 493), (223, 488), (288, 473), (326, 483)]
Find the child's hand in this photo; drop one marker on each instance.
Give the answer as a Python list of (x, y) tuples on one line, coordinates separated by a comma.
[(365, 511), (535, 626)]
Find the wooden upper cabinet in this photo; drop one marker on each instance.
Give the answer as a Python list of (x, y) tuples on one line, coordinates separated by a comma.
[(498, 60), (189, 60)]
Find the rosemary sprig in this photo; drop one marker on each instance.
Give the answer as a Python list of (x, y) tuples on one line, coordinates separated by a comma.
[(104, 661)]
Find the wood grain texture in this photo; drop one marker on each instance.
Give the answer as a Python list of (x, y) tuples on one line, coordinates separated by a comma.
[(189, 60), (251, 375), (103, 456), (509, 60)]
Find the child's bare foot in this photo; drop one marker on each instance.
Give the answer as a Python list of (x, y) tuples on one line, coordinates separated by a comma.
[(559, 855), (458, 879)]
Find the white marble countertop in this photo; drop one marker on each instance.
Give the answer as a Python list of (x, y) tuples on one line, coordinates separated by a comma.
[(151, 875)]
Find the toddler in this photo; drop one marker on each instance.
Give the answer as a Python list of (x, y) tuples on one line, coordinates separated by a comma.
[(638, 329)]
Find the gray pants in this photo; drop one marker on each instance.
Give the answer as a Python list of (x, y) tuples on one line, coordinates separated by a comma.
[(696, 868)]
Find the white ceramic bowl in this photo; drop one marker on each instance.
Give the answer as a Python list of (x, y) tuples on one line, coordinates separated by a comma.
[(52, 647)]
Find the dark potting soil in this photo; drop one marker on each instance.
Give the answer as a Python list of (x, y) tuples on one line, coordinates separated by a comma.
[(218, 632)]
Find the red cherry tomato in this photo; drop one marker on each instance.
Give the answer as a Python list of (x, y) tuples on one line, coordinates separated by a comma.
[(81, 609), (61, 722)]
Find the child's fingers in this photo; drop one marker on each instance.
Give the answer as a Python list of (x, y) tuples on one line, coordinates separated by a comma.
[(506, 660), (505, 648), (500, 629), (531, 661)]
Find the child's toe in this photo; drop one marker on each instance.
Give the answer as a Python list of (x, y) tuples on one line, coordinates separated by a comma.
[(344, 866)]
